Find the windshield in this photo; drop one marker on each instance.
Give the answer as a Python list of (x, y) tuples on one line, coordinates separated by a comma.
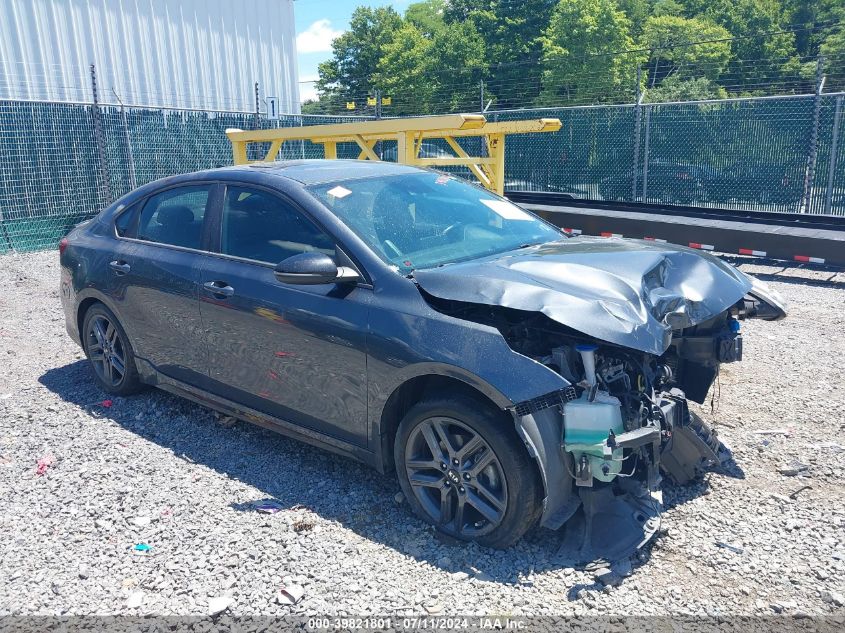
[(427, 219)]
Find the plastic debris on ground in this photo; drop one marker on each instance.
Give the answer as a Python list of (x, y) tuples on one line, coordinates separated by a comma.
[(142, 547), (43, 464), (290, 594), (795, 469), (268, 507), (135, 600), (218, 605), (794, 495), (731, 548), (141, 521), (106, 403)]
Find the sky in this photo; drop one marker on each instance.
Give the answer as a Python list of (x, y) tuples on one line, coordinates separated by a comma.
[(318, 22)]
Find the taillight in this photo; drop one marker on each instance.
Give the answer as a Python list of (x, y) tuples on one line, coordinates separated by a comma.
[(63, 245)]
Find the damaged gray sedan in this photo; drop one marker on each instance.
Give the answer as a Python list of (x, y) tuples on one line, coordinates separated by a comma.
[(509, 373)]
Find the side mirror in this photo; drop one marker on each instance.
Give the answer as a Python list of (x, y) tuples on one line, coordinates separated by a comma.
[(313, 268)]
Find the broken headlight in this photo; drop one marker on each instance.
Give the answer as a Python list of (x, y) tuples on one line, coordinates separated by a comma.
[(761, 302)]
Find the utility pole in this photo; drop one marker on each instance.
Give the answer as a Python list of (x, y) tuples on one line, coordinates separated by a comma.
[(481, 92), (378, 104)]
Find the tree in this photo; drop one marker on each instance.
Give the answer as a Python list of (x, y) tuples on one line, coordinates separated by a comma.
[(348, 75), (404, 71), (667, 7), (818, 19), (675, 88), (587, 53), (833, 49), (764, 50), (553, 52), (671, 41), (638, 12), (432, 74), (458, 65), (512, 33), (426, 16)]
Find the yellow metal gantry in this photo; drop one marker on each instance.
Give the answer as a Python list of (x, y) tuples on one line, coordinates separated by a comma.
[(409, 133)]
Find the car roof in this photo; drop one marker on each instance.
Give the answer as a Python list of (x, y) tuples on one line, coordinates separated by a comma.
[(309, 172)]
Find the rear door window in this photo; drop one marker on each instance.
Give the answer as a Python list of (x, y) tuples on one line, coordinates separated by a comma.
[(175, 216)]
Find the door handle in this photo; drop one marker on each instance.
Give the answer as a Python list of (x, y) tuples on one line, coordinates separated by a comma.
[(220, 288), (119, 266)]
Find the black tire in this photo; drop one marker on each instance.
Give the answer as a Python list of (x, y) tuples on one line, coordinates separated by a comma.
[(478, 481), (99, 326)]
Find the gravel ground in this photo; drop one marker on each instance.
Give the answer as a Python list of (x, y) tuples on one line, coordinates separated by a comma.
[(161, 472)]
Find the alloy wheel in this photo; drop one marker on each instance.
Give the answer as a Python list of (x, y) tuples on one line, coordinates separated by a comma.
[(105, 349), (456, 477)]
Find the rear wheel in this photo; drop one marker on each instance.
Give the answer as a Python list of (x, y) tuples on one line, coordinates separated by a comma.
[(464, 470), (109, 352)]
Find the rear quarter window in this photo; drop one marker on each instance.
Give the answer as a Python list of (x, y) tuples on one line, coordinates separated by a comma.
[(125, 224)]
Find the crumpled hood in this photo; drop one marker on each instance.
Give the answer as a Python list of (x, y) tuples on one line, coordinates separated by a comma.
[(629, 292)]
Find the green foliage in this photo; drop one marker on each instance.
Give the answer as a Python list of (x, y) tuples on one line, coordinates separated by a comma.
[(553, 52), (669, 39), (404, 70), (638, 12), (820, 19), (349, 74), (581, 52), (675, 88), (762, 52), (667, 7), (427, 16), (438, 73), (512, 34), (833, 48)]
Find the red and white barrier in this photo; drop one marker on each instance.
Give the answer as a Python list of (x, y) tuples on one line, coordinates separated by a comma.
[(707, 247)]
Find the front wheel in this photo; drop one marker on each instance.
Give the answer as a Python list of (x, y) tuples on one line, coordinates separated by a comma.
[(463, 469), (109, 352)]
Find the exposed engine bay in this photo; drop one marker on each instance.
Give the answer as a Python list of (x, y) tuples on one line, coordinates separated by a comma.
[(622, 423), (630, 330)]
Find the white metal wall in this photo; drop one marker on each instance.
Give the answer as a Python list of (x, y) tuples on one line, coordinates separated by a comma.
[(204, 54)]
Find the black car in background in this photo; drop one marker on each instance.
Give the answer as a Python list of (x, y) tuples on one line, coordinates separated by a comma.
[(507, 372), (774, 184), (672, 183)]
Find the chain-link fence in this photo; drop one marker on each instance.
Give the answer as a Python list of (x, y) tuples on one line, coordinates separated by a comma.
[(777, 154), (63, 162)]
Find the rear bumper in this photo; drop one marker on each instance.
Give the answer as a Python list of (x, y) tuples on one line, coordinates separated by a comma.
[(68, 298)]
